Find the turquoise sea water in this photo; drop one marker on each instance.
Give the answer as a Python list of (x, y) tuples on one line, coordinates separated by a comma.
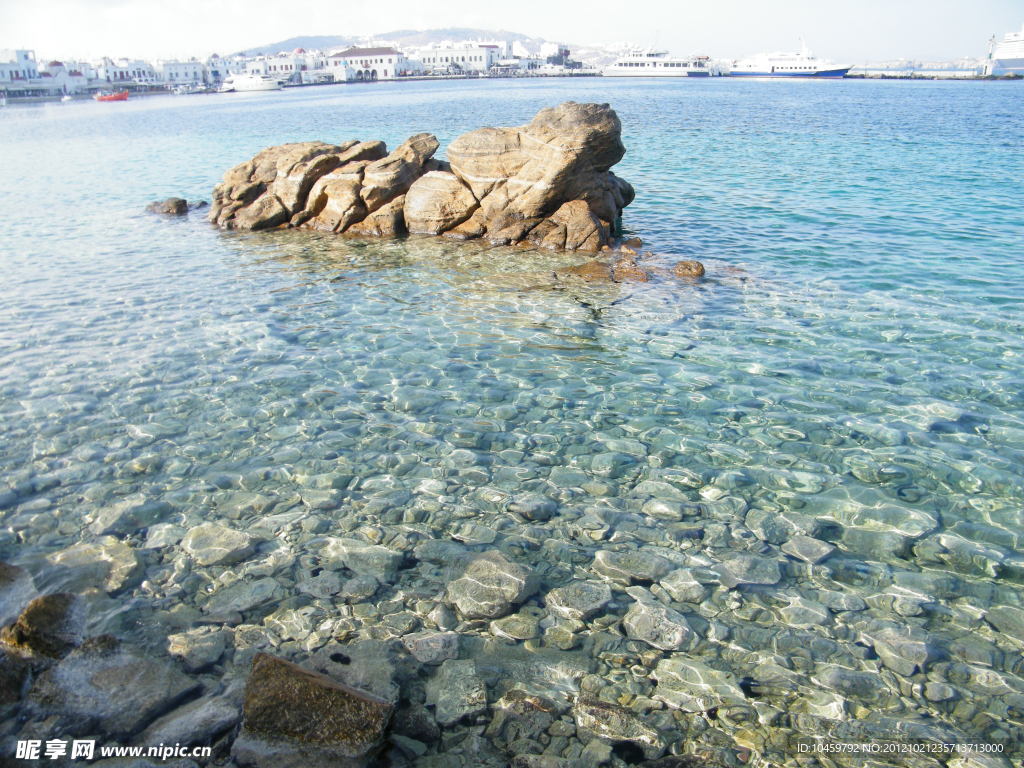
[(851, 369)]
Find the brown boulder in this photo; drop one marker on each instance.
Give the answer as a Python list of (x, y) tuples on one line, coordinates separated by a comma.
[(50, 625), (688, 268), (392, 176), (437, 202), (627, 270), (295, 717), (172, 206), (387, 220), (563, 154), (547, 184)]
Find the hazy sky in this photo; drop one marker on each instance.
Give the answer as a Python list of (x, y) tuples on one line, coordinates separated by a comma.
[(854, 31)]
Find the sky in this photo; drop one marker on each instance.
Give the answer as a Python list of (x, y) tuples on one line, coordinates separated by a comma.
[(858, 31)]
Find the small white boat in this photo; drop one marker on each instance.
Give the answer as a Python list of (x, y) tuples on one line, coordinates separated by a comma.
[(652, 63), (66, 97), (242, 83), (802, 63)]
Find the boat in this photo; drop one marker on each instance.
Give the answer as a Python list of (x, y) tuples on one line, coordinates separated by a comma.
[(242, 83), (119, 96), (1007, 56), (66, 97), (802, 63), (652, 63)]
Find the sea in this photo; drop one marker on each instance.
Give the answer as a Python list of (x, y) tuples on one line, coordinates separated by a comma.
[(812, 459)]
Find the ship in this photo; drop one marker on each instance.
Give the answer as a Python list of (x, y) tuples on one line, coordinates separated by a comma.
[(801, 63), (1007, 56), (119, 96), (250, 83), (652, 63)]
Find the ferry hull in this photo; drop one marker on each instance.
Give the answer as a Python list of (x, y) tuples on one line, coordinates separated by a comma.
[(1007, 67), (823, 74)]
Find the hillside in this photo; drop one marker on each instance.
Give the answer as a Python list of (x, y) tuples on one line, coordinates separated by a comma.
[(400, 37)]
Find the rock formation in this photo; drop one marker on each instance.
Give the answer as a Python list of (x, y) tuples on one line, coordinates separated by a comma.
[(548, 184)]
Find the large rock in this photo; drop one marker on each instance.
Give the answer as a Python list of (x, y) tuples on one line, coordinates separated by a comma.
[(548, 183), (563, 154), (114, 688), (490, 587), (295, 718)]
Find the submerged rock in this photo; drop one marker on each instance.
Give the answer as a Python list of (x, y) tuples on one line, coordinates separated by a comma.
[(50, 625), (115, 688), (688, 268), (295, 717), (658, 625), (547, 183), (579, 599), (615, 724), (432, 647), (490, 587), (214, 544), (456, 692), (172, 206)]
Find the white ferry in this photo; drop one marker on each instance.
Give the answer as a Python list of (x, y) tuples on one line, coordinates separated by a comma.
[(802, 63), (651, 63), (250, 83), (1006, 57)]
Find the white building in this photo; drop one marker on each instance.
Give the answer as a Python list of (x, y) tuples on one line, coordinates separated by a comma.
[(456, 58), (125, 71), (190, 72), (384, 63), (17, 65)]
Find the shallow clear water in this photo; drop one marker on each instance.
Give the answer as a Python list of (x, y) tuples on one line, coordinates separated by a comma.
[(851, 369)]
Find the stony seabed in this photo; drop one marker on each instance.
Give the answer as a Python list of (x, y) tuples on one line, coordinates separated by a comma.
[(543, 600)]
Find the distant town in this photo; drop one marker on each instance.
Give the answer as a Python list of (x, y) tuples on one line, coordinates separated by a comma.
[(22, 77)]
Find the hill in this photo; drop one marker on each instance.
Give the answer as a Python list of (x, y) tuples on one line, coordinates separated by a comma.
[(399, 37)]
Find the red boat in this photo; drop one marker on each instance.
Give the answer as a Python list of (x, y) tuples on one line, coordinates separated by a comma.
[(120, 96)]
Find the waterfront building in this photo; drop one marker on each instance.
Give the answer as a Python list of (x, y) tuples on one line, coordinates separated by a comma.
[(191, 72), (458, 58), (379, 63), (126, 71), (17, 65)]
